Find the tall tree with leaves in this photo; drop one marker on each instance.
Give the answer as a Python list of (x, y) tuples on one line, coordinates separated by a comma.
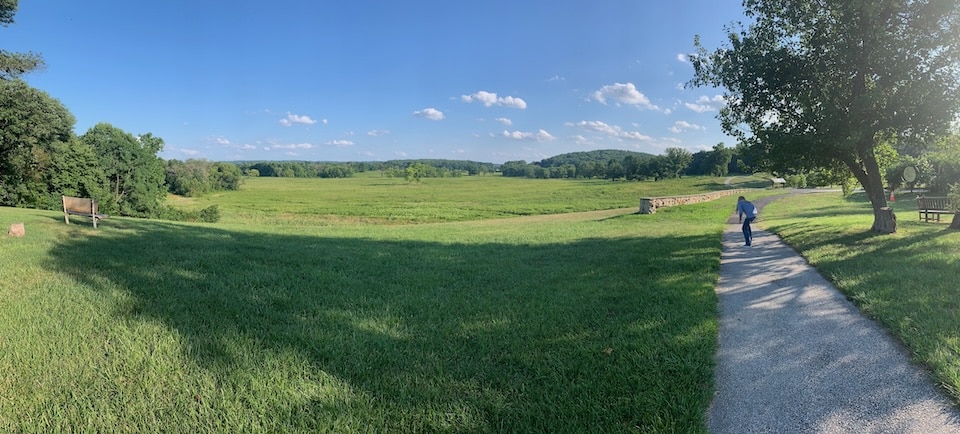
[(814, 83), (30, 123), (13, 65), (134, 174)]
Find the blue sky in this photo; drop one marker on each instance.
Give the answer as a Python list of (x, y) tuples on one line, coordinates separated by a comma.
[(489, 81)]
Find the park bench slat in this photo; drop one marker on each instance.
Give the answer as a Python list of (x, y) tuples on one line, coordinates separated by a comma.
[(82, 207), (931, 208)]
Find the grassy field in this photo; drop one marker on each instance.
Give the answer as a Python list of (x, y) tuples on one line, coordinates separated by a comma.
[(302, 312), (904, 280), (372, 199)]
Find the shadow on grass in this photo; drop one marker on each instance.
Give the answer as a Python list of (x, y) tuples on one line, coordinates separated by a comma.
[(596, 334)]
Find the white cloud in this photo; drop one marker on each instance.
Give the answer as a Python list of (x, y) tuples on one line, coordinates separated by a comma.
[(611, 130), (707, 104), (513, 102), (190, 152), (400, 154), (340, 143), (504, 121), (297, 119), (540, 135), (289, 146), (489, 99), (378, 133), (623, 93), (580, 140), (556, 78), (248, 147), (429, 113), (682, 58), (221, 141), (681, 126)]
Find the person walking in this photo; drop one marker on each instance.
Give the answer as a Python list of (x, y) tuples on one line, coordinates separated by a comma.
[(748, 210)]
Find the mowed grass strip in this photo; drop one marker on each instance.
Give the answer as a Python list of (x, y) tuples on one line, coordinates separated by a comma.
[(903, 280), (599, 321)]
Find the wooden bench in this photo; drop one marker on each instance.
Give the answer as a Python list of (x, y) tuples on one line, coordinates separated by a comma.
[(931, 208), (82, 207)]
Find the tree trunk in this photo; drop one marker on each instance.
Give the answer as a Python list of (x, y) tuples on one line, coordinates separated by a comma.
[(955, 224), (885, 221)]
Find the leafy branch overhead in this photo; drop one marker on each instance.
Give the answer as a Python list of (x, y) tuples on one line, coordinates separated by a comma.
[(821, 84), (13, 65)]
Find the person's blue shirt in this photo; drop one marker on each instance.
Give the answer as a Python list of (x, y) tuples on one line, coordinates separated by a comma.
[(745, 207)]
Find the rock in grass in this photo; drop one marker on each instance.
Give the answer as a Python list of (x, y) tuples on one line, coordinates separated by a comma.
[(17, 230)]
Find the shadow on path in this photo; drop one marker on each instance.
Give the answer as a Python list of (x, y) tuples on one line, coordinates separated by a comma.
[(796, 356)]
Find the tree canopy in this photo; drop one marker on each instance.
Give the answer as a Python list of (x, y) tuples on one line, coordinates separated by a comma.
[(814, 85), (13, 65), (31, 122), (134, 175)]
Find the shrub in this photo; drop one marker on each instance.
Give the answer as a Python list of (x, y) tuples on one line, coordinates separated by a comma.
[(210, 214)]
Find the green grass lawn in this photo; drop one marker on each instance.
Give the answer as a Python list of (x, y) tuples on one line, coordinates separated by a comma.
[(903, 280), (277, 320), (371, 199)]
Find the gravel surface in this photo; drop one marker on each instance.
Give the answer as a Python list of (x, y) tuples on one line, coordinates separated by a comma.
[(797, 357)]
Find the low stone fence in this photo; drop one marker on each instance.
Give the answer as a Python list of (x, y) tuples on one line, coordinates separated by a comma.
[(649, 205)]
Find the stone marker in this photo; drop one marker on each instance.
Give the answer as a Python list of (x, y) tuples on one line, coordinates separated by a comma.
[(17, 230)]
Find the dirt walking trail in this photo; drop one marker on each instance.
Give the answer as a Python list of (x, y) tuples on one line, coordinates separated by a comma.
[(797, 357)]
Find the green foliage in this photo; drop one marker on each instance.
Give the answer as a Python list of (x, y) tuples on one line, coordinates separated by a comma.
[(954, 195), (210, 214), (428, 168), (134, 174), (14, 65), (198, 177), (829, 83), (31, 122), (796, 181), (943, 168), (603, 156), (715, 162), (7, 9)]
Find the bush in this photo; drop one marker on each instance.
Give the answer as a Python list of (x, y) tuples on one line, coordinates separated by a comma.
[(796, 181), (210, 214)]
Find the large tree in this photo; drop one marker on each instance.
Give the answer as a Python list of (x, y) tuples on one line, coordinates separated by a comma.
[(13, 65), (133, 172), (814, 84), (30, 123)]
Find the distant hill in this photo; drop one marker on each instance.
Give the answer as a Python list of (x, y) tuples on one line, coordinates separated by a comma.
[(603, 155)]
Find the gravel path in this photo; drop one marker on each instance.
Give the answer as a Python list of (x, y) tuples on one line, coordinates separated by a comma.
[(797, 357)]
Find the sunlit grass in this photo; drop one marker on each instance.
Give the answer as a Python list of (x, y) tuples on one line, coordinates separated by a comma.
[(903, 280), (380, 200), (596, 321)]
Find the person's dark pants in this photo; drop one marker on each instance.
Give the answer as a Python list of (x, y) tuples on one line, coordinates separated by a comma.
[(747, 232)]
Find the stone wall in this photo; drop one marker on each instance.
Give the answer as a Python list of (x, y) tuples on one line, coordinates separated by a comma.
[(649, 205)]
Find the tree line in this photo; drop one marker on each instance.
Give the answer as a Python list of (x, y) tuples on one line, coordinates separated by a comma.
[(41, 158), (424, 168), (633, 166)]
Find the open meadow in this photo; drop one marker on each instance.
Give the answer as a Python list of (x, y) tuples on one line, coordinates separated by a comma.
[(303, 311)]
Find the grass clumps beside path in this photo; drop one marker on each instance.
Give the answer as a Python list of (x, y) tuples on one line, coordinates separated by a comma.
[(600, 321), (903, 280)]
